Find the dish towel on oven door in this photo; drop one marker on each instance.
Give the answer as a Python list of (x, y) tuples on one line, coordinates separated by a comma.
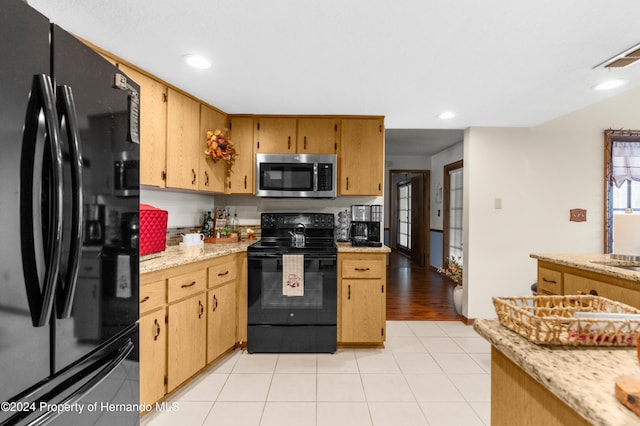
[(293, 275)]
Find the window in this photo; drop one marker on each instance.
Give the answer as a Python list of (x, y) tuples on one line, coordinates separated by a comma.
[(404, 215), (455, 213), (627, 196)]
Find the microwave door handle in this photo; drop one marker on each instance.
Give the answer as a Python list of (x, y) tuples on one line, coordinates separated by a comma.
[(67, 284), (36, 250), (315, 177)]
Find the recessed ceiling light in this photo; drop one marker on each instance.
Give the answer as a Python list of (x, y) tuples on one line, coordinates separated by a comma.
[(197, 61), (446, 115), (609, 84)]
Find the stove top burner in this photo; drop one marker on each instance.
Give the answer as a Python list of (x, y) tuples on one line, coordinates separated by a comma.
[(277, 230)]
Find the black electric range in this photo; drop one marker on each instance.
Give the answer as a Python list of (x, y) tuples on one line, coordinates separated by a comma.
[(303, 320)]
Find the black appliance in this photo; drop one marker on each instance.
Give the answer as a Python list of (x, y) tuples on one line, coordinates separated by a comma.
[(58, 109), (365, 225), (304, 319), (94, 224), (296, 175), (126, 174)]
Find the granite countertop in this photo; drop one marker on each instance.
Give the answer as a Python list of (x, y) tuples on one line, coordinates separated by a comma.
[(348, 248), (582, 377), (177, 255), (600, 263)]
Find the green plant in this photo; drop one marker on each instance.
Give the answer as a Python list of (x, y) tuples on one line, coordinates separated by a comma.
[(453, 270)]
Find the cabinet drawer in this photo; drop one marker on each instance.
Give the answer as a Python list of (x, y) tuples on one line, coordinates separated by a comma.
[(152, 296), (357, 268), (549, 281), (222, 273), (185, 285)]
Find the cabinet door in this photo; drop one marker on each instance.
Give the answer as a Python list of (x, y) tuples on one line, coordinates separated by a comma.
[(186, 347), (212, 174), (221, 318), (153, 356), (362, 311), (275, 135), (361, 156), (153, 128), (317, 136), (183, 141), (240, 179)]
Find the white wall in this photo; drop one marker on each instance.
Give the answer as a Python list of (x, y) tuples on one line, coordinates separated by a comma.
[(185, 208), (539, 173)]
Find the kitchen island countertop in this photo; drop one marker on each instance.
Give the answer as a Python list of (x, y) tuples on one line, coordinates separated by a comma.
[(581, 377), (599, 263)]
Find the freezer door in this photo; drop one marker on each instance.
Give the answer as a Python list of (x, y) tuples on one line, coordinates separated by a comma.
[(24, 47), (98, 123)]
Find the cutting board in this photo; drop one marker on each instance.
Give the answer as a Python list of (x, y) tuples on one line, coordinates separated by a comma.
[(628, 391)]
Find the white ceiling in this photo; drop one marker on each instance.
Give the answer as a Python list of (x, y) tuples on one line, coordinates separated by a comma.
[(493, 62)]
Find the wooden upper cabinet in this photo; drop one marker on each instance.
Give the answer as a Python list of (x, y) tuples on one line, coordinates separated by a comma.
[(241, 180), (317, 136), (153, 127), (275, 135), (361, 160), (212, 174), (184, 144)]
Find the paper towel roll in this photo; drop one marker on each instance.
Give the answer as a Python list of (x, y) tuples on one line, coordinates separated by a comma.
[(626, 234)]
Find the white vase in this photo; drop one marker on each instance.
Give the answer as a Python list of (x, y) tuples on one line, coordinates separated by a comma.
[(457, 298)]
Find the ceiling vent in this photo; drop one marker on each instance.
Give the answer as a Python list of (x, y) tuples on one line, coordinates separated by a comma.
[(623, 59)]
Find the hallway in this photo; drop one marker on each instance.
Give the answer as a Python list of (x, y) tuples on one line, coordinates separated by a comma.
[(417, 293)]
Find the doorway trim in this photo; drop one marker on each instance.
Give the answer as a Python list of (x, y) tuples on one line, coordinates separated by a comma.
[(446, 206), (427, 201)]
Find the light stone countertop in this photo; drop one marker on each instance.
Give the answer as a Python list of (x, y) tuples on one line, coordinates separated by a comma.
[(582, 377), (600, 263), (177, 255)]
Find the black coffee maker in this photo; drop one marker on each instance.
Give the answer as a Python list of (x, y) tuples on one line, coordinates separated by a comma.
[(94, 224), (365, 225)]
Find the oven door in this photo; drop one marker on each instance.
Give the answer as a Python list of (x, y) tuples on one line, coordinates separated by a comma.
[(267, 305)]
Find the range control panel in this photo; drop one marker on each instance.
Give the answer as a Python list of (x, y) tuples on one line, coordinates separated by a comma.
[(290, 220)]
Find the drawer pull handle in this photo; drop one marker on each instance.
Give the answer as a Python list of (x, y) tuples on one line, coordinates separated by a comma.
[(349, 292), (156, 333), (362, 269), (201, 309), (146, 298), (549, 281), (222, 274), (215, 303), (188, 285)]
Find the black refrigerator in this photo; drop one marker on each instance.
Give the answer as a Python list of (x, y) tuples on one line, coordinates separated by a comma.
[(65, 115)]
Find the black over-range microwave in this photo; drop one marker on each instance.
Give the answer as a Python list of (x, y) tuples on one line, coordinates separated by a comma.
[(296, 175), (126, 174)]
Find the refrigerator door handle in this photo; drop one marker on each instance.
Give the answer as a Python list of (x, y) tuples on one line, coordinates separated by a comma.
[(40, 196), (69, 121)]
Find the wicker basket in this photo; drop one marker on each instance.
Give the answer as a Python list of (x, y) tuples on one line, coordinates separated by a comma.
[(549, 320)]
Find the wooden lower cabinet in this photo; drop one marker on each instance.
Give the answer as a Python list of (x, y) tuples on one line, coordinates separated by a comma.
[(186, 347), (362, 299), (221, 320), (561, 279), (189, 318), (153, 356)]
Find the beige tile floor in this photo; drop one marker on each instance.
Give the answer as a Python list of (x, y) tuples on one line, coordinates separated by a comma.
[(430, 373)]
